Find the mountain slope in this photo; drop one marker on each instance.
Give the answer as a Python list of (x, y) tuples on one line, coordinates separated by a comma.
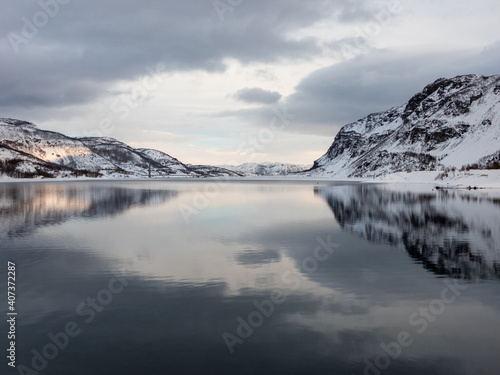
[(22, 165), (164, 160), (136, 162), (451, 123), (208, 170), (53, 148), (26, 151)]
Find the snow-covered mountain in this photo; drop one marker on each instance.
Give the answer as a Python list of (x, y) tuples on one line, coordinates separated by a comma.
[(266, 169), (27, 151), (451, 123)]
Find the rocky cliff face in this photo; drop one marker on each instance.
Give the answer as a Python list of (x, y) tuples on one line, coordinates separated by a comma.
[(26, 151), (451, 123)]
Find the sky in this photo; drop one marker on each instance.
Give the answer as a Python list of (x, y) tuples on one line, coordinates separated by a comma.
[(232, 81)]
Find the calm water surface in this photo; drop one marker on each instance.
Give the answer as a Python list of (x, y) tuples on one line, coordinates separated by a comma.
[(251, 278)]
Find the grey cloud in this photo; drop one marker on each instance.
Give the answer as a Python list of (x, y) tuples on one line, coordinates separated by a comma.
[(257, 95), (347, 47), (342, 93), (87, 45), (371, 83), (358, 10)]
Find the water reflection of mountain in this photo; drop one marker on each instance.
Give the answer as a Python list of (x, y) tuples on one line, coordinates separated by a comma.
[(453, 233), (26, 207)]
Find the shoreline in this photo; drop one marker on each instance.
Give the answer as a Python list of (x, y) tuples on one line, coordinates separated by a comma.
[(481, 179)]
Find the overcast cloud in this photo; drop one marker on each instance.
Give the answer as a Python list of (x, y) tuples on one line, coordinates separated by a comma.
[(347, 91), (213, 75), (257, 95), (88, 43)]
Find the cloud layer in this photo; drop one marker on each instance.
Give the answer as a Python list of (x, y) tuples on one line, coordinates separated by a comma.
[(228, 66), (86, 45), (257, 95)]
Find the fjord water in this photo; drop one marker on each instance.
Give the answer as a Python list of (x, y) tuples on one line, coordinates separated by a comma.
[(251, 278)]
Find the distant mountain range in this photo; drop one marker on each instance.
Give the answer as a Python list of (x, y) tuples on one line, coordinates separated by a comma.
[(26, 151), (452, 123), (267, 169)]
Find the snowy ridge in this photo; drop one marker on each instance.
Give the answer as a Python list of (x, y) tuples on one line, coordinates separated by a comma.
[(451, 123), (266, 169), (26, 151), (49, 147), (205, 170)]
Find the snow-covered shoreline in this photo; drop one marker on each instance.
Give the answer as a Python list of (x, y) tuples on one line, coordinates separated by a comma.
[(474, 178), (489, 178)]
